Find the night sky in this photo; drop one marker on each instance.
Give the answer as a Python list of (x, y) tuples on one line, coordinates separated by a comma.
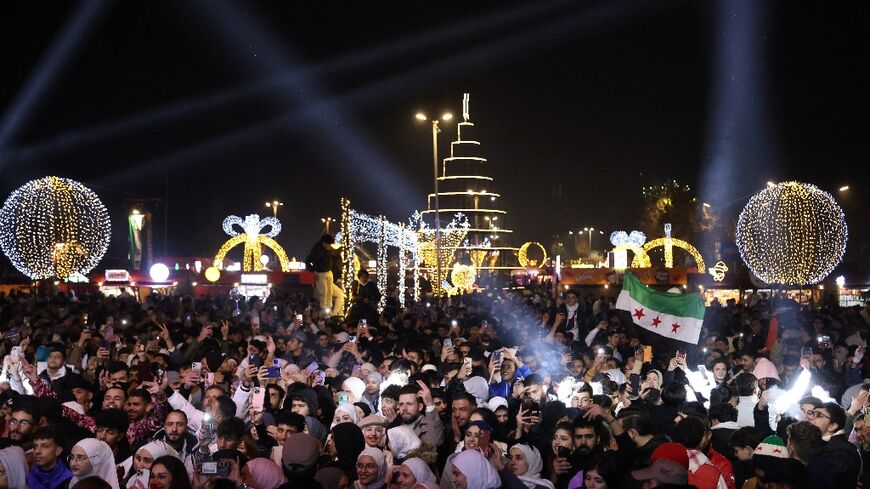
[(233, 104)]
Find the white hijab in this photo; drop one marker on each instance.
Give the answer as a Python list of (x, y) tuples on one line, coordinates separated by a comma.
[(15, 464), (532, 477), (102, 462), (479, 473), (403, 441), (155, 449), (421, 471)]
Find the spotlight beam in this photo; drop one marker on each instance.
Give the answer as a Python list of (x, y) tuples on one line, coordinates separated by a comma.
[(517, 43), (385, 53), (48, 71)]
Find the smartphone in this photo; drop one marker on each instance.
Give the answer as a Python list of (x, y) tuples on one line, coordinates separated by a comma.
[(353, 339), (158, 376), (208, 468), (299, 317), (531, 407), (209, 379), (702, 369), (563, 452), (806, 352), (824, 341), (105, 344), (85, 318), (484, 440), (274, 371), (601, 352), (15, 353), (496, 357), (356, 369), (320, 379), (466, 361), (635, 386), (343, 398), (362, 323), (448, 343), (196, 367), (208, 426), (311, 368), (258, 399), (255, 360)]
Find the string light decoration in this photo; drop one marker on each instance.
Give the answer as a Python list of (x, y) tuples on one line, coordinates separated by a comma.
[(451, 238), (623, 243), (792, 233), (669, 243), (461, 279), (54, 227), (718, 271), (357, 227), (523, 254), (253, 241), (465, 187)]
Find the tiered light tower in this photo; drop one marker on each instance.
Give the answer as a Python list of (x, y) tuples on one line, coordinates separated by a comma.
[(465, 187)]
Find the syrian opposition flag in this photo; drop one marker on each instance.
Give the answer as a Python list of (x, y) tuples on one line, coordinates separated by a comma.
[(675, 316)]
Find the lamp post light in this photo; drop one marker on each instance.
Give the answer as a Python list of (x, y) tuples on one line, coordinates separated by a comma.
[(326, 222), (420, 116), (589, 231), (274, 205)]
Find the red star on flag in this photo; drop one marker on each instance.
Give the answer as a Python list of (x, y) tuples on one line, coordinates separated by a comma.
[(777, 450), (656, 321), (675, 327), (638, 313)]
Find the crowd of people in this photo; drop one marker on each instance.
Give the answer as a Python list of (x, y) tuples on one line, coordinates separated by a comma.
[(520, 388)]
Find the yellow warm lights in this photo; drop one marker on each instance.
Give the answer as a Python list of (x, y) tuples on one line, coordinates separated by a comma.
[(792, 233)]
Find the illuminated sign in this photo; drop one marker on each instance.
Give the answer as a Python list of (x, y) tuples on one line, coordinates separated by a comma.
[(118, 275), (255, 278)]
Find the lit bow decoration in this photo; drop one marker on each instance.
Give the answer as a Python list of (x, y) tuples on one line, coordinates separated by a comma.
[(253, 238)]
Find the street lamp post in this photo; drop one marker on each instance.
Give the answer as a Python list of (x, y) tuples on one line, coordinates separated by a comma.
[(589, 231), (274, 205), (326, 222), (435, 130)]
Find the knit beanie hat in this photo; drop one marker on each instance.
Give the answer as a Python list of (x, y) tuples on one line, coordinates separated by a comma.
[(765, 369), (772, 446)]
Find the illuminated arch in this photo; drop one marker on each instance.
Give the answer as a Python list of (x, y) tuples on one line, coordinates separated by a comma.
[(523, 253), (640, 258), (668, 243)]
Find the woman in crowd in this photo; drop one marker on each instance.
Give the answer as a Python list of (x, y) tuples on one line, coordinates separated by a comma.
[(371, 469), (168, 472), (13, 464), (526, 464), (136, 469), (471, 470), (93, 458)]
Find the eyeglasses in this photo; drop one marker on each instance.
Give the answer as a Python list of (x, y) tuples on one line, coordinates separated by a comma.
[(817, 414), (79, 458), (20, 422), (367, 466)]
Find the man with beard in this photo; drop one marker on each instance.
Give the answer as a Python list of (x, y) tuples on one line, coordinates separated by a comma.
[(534, 391), (588, 435), (176, 435), (23, 420), (417, 411)]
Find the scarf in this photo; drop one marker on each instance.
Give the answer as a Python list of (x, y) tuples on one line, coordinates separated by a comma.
[(378, 456), (532, 477), (37, 479), (403, 441), (421, 471), (102, 461), (479, 473), (15, 465)]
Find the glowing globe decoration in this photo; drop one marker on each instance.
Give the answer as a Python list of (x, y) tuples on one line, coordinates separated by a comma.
[(54, 227), (159, 272), (792, 233), (212, 274)]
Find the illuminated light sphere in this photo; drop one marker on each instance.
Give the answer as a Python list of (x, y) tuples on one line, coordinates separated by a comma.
[(54, 227), (159, 272), (792, 233), (212, 274)]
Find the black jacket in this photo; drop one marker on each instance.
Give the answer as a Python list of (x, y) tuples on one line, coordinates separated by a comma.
[(320, 259), (839, 464)]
